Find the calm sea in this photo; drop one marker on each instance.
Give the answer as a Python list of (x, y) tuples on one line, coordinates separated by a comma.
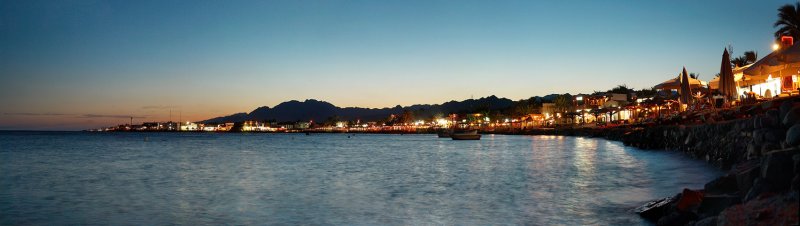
[(68, 178)]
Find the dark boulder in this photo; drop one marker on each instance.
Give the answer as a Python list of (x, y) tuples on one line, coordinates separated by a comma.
[(768, 136), (758, 136), (746, 173), (777, 168), (759, 187), (757, 122), (708, 221), (677, 218), (779, 209), (689, 200), (774, 136), (769, 147), (714, 204), (793, 135), (771, 104), (792, 117), (784, 109), (721, 185), (753, 151), (771, 119)]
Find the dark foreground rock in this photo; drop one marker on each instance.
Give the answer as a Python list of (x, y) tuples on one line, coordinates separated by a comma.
[(761, 152), (770, 209)]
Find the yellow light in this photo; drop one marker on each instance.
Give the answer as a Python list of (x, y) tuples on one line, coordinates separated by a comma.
[(775, 46)]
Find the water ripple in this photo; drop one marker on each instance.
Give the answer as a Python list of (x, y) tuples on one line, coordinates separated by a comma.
[(101, 179)]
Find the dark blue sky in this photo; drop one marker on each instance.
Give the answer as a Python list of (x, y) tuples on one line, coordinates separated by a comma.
[(208, 58)]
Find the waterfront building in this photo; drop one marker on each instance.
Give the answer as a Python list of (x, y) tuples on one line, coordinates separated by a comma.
[(149, 126), (254, 126), (189, 126), (305, 125), (286, 125), (775, 74), (210, 128), (530, 121)]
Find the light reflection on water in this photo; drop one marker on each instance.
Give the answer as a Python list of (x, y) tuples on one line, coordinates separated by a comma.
[(84, 178)]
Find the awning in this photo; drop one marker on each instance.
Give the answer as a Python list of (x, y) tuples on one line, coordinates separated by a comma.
[(776, 61)]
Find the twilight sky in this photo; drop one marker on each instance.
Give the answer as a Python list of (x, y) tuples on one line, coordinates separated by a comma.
[(69, 65)]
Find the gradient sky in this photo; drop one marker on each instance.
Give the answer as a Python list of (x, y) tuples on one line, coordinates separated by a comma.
[(87, 64)]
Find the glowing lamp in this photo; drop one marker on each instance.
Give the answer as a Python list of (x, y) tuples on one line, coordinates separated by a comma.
[(787, 40)]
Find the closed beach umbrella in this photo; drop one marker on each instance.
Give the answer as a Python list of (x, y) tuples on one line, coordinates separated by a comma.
[(686, 91), (727, 85)]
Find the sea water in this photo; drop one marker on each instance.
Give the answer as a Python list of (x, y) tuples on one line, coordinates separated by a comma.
[(68, 178)]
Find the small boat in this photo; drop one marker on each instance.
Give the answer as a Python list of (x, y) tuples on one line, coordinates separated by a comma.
[(466, 135)]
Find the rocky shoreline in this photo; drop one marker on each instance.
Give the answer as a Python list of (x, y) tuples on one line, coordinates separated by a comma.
[(761, 152)]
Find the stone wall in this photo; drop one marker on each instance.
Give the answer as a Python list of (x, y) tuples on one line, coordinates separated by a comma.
[(760, 150)]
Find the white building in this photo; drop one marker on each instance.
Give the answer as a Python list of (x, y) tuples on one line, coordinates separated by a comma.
[(189, 126)]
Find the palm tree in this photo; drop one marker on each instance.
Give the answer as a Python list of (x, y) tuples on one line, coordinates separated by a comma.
[(750, 56), (738, 61), (523, 107), (621, 89), (788, 21), (563, 103)]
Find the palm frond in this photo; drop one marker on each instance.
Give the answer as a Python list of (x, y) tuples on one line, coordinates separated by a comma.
[(788, 22)]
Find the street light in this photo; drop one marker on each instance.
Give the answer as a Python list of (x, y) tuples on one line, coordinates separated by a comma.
[(775, 46)]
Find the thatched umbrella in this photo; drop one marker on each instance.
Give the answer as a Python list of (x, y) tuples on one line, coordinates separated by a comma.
[(675, 83), (727, 85), (686, 91)]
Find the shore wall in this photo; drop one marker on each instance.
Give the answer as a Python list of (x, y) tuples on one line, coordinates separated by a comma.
[(761, 153)]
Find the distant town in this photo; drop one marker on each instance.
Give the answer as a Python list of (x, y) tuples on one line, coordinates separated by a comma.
[(683, 98), (621, 105), (618, 106)]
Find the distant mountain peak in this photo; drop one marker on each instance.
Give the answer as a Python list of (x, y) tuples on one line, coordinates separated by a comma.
[(312, 109)]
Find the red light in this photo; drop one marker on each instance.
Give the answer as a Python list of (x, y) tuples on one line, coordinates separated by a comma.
[(787, 40)]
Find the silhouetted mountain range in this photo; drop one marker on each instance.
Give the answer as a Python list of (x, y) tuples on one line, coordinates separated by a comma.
[(320, 110)]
